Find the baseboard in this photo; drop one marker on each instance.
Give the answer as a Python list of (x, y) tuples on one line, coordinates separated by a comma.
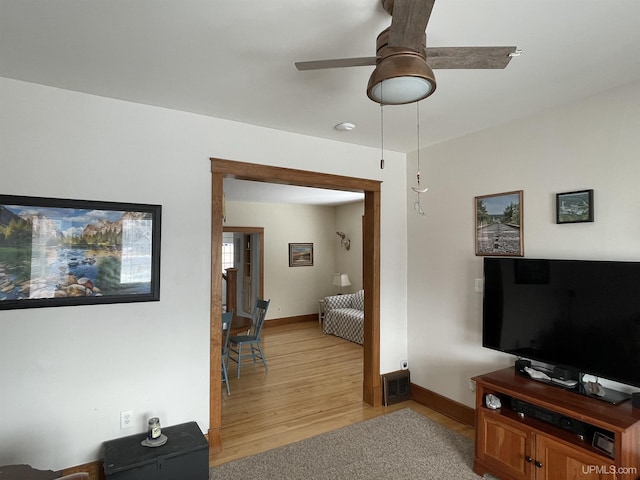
[(274, 322), (94, 469), (244, 323), (444, 405)]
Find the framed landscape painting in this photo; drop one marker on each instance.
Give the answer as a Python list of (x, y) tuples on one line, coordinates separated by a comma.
[(57, 252), (301, 254), (574, 207), (499, 224)]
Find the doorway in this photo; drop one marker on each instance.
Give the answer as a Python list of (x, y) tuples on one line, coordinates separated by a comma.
[(247, 247), (371, 388)]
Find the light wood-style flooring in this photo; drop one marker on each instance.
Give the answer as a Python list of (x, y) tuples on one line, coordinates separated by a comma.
[(314, 385)]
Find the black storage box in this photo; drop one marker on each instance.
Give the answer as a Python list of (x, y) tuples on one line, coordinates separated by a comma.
[(184, 456)]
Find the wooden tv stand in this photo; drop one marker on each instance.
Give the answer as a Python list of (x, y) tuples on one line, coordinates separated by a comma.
[(512, 446)]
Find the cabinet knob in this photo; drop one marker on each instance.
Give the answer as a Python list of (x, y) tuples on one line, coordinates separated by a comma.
[(528, 459), (538, 464)]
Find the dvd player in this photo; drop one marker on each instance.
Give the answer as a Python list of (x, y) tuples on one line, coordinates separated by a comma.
[(554, 418)]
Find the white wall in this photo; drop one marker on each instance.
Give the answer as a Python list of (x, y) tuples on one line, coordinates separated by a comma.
[(296, 290), (67, 372), (593, 143), (292, 290), (349, 221)]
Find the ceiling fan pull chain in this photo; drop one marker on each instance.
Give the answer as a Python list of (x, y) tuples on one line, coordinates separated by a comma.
[(416, 205), (381, 135), (418, 135)]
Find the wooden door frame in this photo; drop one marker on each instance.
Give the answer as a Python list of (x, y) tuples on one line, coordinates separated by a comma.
[(220, 168)]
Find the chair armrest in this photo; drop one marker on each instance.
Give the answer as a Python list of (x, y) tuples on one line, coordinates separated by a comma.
[(338, 301)]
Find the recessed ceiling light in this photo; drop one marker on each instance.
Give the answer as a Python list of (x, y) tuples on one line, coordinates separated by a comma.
[(345, 127)]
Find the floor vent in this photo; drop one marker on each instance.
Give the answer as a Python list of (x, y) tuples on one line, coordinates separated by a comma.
[(396, 387)]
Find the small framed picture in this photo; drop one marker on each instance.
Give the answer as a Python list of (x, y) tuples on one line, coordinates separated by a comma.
[(301, 254), (499, 224), (574, 207)]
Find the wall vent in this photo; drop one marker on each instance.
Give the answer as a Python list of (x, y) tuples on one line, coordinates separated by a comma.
[(396, 387)]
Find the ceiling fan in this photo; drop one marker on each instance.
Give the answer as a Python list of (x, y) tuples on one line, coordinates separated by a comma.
[(404, 64)]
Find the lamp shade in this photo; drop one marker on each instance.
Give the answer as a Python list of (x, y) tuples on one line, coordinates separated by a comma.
[(341, 280), (401, 78)]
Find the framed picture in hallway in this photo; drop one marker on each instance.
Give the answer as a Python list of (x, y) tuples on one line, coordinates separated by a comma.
[(301, 254), (499, 224), (574, 207), (59, 252)]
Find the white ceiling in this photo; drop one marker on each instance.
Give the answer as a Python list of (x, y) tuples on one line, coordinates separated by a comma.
[(234, 59)]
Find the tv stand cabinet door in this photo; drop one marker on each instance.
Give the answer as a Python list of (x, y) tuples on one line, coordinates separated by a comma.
[(502, 448), (557, 461)]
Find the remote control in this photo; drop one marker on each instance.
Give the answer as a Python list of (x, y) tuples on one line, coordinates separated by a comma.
[(565, 383), (536, 374)]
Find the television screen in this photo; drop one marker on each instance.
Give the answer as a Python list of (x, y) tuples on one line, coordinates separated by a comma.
[(571, 313)]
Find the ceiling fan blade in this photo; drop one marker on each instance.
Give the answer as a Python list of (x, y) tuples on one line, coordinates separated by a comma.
[(469, 57), (336, 63), (409, 22)]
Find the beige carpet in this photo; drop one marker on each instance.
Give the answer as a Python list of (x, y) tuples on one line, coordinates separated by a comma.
[(399, 445)]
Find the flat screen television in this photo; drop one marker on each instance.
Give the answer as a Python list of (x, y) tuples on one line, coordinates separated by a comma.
[(584, 315)]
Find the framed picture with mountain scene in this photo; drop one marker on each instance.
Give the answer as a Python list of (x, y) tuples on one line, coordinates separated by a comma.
[(60, 252)]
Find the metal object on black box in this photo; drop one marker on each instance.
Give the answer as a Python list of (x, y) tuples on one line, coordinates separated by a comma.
[(154, 430)]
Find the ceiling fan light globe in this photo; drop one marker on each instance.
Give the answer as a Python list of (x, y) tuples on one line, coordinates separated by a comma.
[(401, 90), (401, 78)]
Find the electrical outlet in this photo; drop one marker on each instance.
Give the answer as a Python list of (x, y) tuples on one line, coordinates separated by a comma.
[(279, 309), (479, 285), (404, 365), (126, 419), (472, 385)]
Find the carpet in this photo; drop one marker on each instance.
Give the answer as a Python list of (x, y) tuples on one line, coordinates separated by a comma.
[(402, 444)]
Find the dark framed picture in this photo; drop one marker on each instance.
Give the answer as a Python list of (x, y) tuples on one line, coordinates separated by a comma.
[(301, 254), (499, 224), (574, 207), (60, 252)]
